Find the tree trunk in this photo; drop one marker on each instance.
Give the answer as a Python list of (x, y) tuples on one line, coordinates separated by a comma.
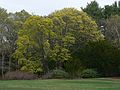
[(118, 35), (9, 63), (3, 57)]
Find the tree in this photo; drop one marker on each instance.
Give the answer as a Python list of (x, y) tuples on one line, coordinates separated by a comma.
[(112, 32), (95, 11), (4, 39), (63, 39), (33, 44), (73, 29), (101, 56), (18, 20), (21, 16), (14, 24), (111, 10)]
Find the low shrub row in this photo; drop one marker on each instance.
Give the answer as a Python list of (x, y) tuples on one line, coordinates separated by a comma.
[(18, 75), (89, 73), (54, 74), (58, 74)]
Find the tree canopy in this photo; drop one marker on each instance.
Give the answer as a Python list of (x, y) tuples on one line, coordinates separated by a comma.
[(67, 41)]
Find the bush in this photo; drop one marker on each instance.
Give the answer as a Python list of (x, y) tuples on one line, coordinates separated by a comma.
[(89, 73), (56, 74), (18, 75), (60, 74)]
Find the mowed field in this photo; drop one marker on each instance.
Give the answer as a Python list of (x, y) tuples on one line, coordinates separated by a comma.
[(82, 84)]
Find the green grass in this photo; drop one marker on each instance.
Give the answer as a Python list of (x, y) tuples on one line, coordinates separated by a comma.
[(82, 84)]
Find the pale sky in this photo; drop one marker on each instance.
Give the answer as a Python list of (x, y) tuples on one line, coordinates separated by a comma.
[(45, 7)]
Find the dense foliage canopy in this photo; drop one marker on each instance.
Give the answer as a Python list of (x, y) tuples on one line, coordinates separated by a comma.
[(67, 40)]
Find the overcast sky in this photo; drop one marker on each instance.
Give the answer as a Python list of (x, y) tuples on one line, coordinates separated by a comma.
[(44, 7)]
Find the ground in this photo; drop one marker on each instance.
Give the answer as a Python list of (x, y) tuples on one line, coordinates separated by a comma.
[(82, 84)]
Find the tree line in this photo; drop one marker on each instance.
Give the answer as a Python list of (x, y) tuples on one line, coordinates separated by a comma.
[(69, 40)]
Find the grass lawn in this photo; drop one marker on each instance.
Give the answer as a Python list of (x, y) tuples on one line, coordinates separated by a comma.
[(82, 84)]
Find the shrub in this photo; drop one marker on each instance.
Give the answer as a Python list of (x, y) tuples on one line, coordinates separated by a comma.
[(18, 75), (56, 74), (60, 74), (74, 68), (89, 73), (48, 75)]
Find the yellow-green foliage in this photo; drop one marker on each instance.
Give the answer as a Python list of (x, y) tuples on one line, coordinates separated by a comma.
[(52, 37)]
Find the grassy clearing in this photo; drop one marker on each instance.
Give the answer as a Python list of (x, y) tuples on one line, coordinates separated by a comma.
[(83, 84)]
